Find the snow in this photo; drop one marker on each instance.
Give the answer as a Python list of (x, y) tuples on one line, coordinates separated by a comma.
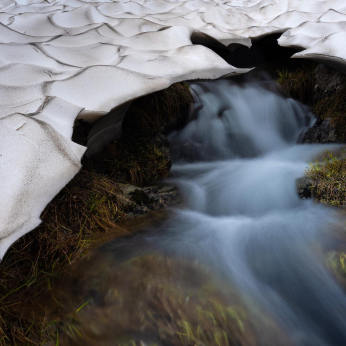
[(63, 59)]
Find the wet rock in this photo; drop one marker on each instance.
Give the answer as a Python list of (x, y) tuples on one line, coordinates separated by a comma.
[(322, 132), (328, 81), (304, 187), (140, 197), (139, 201)]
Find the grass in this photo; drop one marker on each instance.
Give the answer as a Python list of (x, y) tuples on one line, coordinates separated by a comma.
[(142, 154), (298, 83), (135, 159), (159, 112), (329, 180), (88, 207)]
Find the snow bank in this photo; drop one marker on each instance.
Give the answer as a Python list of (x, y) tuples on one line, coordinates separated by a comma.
[(60, 59)]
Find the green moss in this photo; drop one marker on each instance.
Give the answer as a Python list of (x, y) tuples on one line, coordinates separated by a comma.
[(329, 179)]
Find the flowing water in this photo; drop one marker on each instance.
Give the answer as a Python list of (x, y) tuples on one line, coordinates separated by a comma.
[(236, 163), (243, 209)]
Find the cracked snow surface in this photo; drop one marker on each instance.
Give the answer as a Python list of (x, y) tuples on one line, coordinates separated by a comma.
[(64, 59)]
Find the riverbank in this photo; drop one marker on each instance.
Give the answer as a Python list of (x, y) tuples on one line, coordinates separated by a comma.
[(111, 188)]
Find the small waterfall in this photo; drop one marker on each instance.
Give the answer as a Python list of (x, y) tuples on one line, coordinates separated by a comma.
[(229, 121)]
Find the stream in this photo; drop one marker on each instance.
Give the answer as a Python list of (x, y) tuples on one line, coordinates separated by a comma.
[(236, 163), (245, 204)]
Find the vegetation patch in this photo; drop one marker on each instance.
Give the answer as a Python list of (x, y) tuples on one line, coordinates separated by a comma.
[(298, 83), (90, 205), (329, 179), (136, 159), (159, 112), (142, 154), (324, 90)]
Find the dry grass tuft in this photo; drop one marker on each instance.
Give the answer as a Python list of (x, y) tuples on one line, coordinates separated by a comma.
[(329, 179), (159, 112), (298, 83)]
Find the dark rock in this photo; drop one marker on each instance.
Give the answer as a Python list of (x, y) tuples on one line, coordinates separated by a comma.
[(139, 201), (140, 197), (106, 130), (81, 129), (322, 132), (328, 81), (304, 187)]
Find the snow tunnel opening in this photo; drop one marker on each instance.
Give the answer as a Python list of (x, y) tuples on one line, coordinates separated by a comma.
[(263, 51), (147, 116)]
